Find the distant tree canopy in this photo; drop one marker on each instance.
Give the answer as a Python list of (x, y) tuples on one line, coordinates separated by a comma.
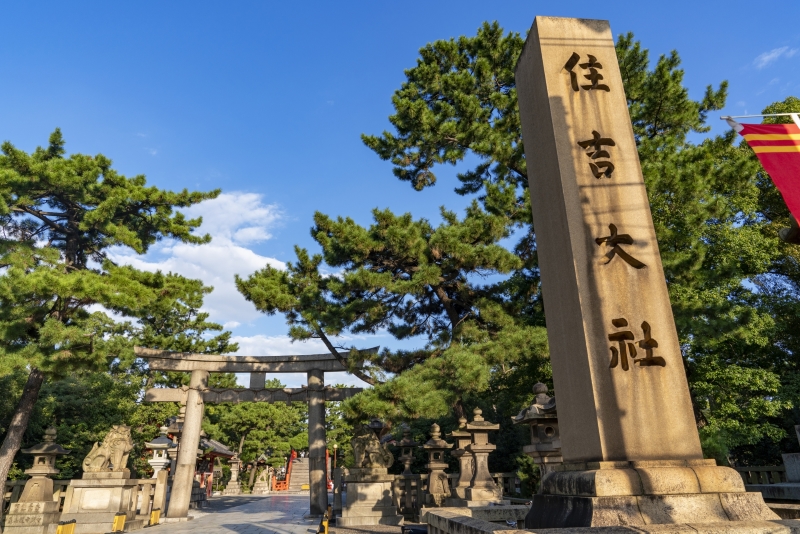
[(474, 301)]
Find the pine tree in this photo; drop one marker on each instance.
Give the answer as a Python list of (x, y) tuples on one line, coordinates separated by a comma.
[(60, 216)]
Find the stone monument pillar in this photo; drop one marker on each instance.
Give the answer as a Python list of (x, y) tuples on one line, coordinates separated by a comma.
[(629, 441), (106, 488), (541, 417), (369, 487), (317, 444), (465, 464), (183, 478), (234, 487), (438, 489), (36, 510)]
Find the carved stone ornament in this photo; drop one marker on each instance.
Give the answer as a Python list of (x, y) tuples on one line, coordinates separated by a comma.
[(368, 451), (112, 454)]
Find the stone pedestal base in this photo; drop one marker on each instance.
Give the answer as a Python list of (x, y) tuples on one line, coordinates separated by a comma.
[(644, 493), (233, 488), (474, 497), (261, 488), (32, 517), (369, 499), (94, 500), (452, 502)]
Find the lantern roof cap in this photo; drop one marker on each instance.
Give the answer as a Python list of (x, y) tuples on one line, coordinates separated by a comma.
[(48, 447), (162, 441), (436, 442)]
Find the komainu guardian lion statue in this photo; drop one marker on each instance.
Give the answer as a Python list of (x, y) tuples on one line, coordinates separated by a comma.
[(112, 453), (368, 451)]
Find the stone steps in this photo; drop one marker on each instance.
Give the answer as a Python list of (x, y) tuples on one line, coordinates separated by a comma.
[(299, 474)]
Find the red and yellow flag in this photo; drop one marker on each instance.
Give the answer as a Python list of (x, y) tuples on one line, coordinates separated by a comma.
[(778, 148)]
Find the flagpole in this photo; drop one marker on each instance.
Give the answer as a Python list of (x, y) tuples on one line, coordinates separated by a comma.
[(724, 117)]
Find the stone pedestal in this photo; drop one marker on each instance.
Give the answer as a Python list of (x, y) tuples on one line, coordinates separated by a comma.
[(95, 499), (32, 517), (643, 493), (369, 499), (263, 483), (233, 488), (260, 488)]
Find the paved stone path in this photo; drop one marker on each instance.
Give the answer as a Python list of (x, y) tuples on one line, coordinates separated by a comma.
[(249, 514), (279, 514)]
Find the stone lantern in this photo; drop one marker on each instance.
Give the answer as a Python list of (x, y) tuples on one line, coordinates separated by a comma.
[(545, 447), (407, 446), (438, 489), (160, 446), (36, 510), (482, 489), (465, 464), (234, 486)]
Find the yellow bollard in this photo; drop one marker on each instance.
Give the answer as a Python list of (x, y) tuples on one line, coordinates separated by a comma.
[(155, 516), (66, 527), (323, 524), (119, 522)]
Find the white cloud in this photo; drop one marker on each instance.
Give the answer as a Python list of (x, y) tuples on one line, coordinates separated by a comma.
[(773, 55), (260, 345), (241, 218), (232, 220)]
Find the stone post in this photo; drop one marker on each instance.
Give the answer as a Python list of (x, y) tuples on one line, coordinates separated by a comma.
[(628, 437), (187, 453), (465, 464), (317, 444), (160, 491)]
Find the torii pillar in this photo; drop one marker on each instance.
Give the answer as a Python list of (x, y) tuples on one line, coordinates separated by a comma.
[(187, 449), (317, 443)]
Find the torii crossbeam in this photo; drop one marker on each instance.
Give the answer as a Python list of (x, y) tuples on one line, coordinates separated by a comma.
[(198, 393)]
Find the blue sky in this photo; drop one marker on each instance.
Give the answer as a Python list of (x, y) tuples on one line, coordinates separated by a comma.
[(267, 100)]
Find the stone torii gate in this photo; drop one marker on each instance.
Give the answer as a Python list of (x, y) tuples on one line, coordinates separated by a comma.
[(198, 393)]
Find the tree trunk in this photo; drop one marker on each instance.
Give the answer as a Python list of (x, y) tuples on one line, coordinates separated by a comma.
[(253, 475), (19, 423)]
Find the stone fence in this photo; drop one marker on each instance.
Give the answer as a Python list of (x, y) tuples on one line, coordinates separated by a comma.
[(480, 520), (406, 489), (772, 474), (146, 492)]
